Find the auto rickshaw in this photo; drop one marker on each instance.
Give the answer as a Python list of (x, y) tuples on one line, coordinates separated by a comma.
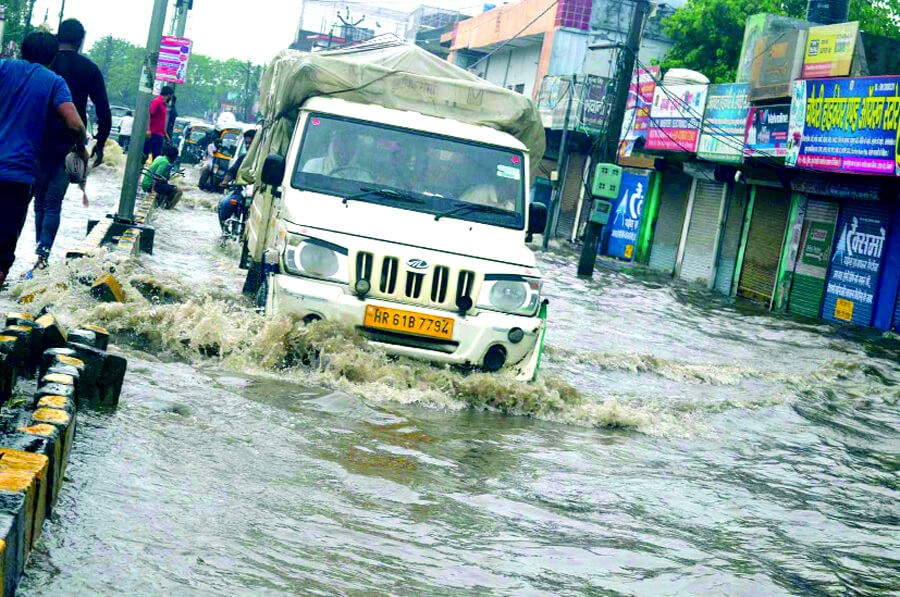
[(178, 130), (229, 139), (195, 138)]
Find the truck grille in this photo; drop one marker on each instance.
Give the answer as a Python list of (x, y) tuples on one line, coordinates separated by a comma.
[(438, 287)]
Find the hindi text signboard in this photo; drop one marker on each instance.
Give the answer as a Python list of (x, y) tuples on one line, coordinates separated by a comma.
[(724, 123), (637, 109), (845, 125), (594, 106), (174, 55), (855, 266), (625, 221), (829, 50), (676, 116)]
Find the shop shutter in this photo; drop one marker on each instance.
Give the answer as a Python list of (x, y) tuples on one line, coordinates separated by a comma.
[(808, 285), (731, 240), (675, 189), (764, 243), (700, 244), (860, 312), (569, 196)]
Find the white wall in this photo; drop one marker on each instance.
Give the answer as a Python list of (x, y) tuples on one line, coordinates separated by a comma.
[(515, 66)]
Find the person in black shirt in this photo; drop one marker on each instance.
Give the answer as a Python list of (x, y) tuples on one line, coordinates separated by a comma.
[(172, 115), (85, 81)]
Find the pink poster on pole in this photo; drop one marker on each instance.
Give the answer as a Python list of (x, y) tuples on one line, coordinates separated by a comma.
[(174, 55)]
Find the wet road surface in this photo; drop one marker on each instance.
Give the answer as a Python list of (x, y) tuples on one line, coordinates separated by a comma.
[(678, 444)]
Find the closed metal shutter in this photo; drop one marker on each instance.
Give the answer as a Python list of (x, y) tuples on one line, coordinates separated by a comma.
[(808, 286), (859, 309), (703, 233), (731, 240), (675, 189), (569, 199), (764, 242)]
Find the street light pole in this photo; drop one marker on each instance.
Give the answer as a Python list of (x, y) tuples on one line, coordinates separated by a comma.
[(562, 166), (609, 147), (142, 113)]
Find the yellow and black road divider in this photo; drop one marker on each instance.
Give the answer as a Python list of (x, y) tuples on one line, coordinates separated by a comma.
[(73, 371), (122, 239)]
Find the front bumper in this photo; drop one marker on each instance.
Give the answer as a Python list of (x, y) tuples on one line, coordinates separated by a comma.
[(473, 334)]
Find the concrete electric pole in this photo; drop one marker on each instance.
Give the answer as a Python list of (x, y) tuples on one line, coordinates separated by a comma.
[(609, 147), (179, 20), (142, 113)]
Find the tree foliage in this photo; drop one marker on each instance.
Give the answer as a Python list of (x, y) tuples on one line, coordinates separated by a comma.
[(210, 82), (708, 34), (16, 26)]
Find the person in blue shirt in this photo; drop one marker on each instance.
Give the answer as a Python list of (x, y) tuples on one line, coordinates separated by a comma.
[(84, 80), (30, 94)]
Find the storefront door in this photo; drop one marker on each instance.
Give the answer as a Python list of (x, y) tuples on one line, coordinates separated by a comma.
[(676, 188), (808, 286), (701, 241), (765, 239)]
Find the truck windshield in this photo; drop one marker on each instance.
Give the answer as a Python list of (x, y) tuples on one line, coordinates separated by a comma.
[(347, 158)]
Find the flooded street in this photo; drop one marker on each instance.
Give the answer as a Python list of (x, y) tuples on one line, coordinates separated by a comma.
[(677, 443)]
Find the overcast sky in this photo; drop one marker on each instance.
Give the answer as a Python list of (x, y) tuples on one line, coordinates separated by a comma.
[(245, 29)]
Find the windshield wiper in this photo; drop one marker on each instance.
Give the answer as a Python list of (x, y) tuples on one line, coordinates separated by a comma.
[(389, 193), (488, 209)]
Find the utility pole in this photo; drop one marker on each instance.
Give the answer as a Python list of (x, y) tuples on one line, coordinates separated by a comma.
[(142, 113), (562, 166), (608, 149), (249, 91), (62, 11), (179, 19)]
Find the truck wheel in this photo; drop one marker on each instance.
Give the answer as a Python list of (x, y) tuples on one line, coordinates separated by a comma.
[(262, 296), (244, 263), (255, 278)]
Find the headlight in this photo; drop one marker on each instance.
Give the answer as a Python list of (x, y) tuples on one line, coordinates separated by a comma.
[(517, 295), (316, 258)]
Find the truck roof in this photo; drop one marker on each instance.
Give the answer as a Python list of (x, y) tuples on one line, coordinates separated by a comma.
[(409, 119)]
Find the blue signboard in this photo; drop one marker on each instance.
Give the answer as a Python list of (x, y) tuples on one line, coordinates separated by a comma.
[(625, 220), (724, 121), (855, 264), (846, 125)]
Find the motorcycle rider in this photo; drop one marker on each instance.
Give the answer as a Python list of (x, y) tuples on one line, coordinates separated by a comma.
[(228, 209)]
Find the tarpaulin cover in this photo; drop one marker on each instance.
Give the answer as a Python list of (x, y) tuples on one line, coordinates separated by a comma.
[(392, 74)]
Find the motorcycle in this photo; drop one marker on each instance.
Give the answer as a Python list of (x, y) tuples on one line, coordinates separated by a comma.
[(238, 202)]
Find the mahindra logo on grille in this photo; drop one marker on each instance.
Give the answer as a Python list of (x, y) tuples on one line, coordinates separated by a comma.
[(417, 264)]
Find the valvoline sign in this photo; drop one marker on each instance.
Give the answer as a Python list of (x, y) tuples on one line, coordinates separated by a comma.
[(625, 220)]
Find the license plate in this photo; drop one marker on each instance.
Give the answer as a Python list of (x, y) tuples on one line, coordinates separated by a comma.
[(409, 322)]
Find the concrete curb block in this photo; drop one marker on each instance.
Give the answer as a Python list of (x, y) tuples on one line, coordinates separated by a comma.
[(73, 371)]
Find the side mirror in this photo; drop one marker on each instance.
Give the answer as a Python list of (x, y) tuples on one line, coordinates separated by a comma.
[(537, 218), (273, 170)]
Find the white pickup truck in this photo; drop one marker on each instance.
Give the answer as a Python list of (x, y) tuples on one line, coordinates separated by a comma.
[(410, 227)]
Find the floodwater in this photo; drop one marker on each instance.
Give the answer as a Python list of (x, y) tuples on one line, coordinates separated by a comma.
[(677, 444)]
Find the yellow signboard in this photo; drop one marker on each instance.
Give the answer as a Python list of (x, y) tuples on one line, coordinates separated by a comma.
[(829, 50), (843, 310)]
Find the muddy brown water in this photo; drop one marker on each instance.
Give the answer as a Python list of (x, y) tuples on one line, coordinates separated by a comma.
[(713, 449)]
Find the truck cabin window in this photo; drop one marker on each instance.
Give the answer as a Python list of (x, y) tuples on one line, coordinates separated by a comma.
[(412, 170)]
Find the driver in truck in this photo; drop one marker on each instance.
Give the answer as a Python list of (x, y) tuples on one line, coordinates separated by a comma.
[(338, 161)]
